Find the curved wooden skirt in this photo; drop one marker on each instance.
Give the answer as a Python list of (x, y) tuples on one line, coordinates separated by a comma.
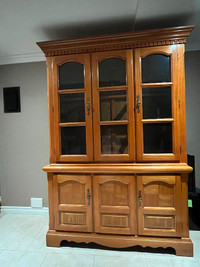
[(182, 246)]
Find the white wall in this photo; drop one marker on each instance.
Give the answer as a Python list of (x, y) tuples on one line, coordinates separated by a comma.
[(24, 139)]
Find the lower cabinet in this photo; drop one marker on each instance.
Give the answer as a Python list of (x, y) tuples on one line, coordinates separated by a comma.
[(73, 203), (143, 205), (114, 204), (159, 205)]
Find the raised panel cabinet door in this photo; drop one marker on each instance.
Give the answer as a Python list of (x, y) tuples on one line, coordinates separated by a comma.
[(114, 204), (70, 107), (73, 202), (159, 205), (158, 104), (113, 100)]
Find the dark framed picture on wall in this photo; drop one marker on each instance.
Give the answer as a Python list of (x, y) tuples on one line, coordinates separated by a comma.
[(11, 97)]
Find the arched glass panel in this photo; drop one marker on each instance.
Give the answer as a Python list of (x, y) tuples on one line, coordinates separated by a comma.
[(156, 68), (112, 72), (71, 76)]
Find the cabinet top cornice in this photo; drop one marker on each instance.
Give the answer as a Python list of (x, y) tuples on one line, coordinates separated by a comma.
[(130, 40)]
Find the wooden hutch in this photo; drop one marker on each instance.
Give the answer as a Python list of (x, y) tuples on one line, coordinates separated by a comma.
[(118, 166)]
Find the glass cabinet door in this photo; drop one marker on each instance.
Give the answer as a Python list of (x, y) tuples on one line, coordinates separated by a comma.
[(73, 121), (112, 83), (156, 104)]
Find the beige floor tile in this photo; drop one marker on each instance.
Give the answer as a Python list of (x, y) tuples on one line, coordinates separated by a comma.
[(62, 260), (23, 243)]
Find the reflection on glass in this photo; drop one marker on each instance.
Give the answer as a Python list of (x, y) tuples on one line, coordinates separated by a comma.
[(112, 72), (156, 103), (113, 105), (72, 108), (157, 138), (71, 76), (114, 139), (156, 68), (73, 140)]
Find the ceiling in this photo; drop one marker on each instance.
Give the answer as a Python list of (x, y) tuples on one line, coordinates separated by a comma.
[(25, 22)]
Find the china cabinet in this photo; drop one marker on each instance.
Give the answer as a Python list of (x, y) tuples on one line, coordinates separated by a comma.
[(118, 166)]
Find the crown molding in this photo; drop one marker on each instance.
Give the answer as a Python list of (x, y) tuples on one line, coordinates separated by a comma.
[(130, 40), (25, 58)]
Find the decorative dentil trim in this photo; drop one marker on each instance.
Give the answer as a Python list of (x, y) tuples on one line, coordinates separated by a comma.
[(167, 36)]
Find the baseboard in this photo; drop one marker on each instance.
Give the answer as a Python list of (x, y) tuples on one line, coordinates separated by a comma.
[(24, 210)]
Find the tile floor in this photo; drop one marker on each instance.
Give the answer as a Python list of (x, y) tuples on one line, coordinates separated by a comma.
[(22, 243)]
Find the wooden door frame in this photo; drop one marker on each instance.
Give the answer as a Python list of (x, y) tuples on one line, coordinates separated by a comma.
[(97, 57), (129, 180), (156, 157), (87, 208), (173, 211), (54, 111)]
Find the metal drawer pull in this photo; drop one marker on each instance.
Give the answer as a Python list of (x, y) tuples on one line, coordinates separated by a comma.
[(140, 198), (88, 196), (138, 103)]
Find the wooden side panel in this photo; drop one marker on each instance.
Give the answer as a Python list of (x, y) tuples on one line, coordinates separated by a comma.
[(73, 203), (159, 206), (51, 204), (114, 204), (181, 92)]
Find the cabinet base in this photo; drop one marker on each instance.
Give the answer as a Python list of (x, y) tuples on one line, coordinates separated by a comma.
[(182, 246)]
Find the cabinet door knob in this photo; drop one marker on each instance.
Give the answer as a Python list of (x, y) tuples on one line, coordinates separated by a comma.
[(88, 196), (140, 198), (138, 103)]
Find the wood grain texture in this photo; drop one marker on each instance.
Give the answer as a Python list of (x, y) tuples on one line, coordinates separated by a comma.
[(159, 211), (175, 155), (51, 202), (114, 204), (182, 246), (158, 37), (55, 134), (96, 58), (73, 210), (122, 168), (119, 200)]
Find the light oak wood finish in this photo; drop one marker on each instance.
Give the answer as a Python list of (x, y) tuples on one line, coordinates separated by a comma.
[(149, 38), (159, 211), (182, 246), (126, 55), (119, 200), (114, 204), (56, 62), (119, 168), (142, 53), (73, 209)]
